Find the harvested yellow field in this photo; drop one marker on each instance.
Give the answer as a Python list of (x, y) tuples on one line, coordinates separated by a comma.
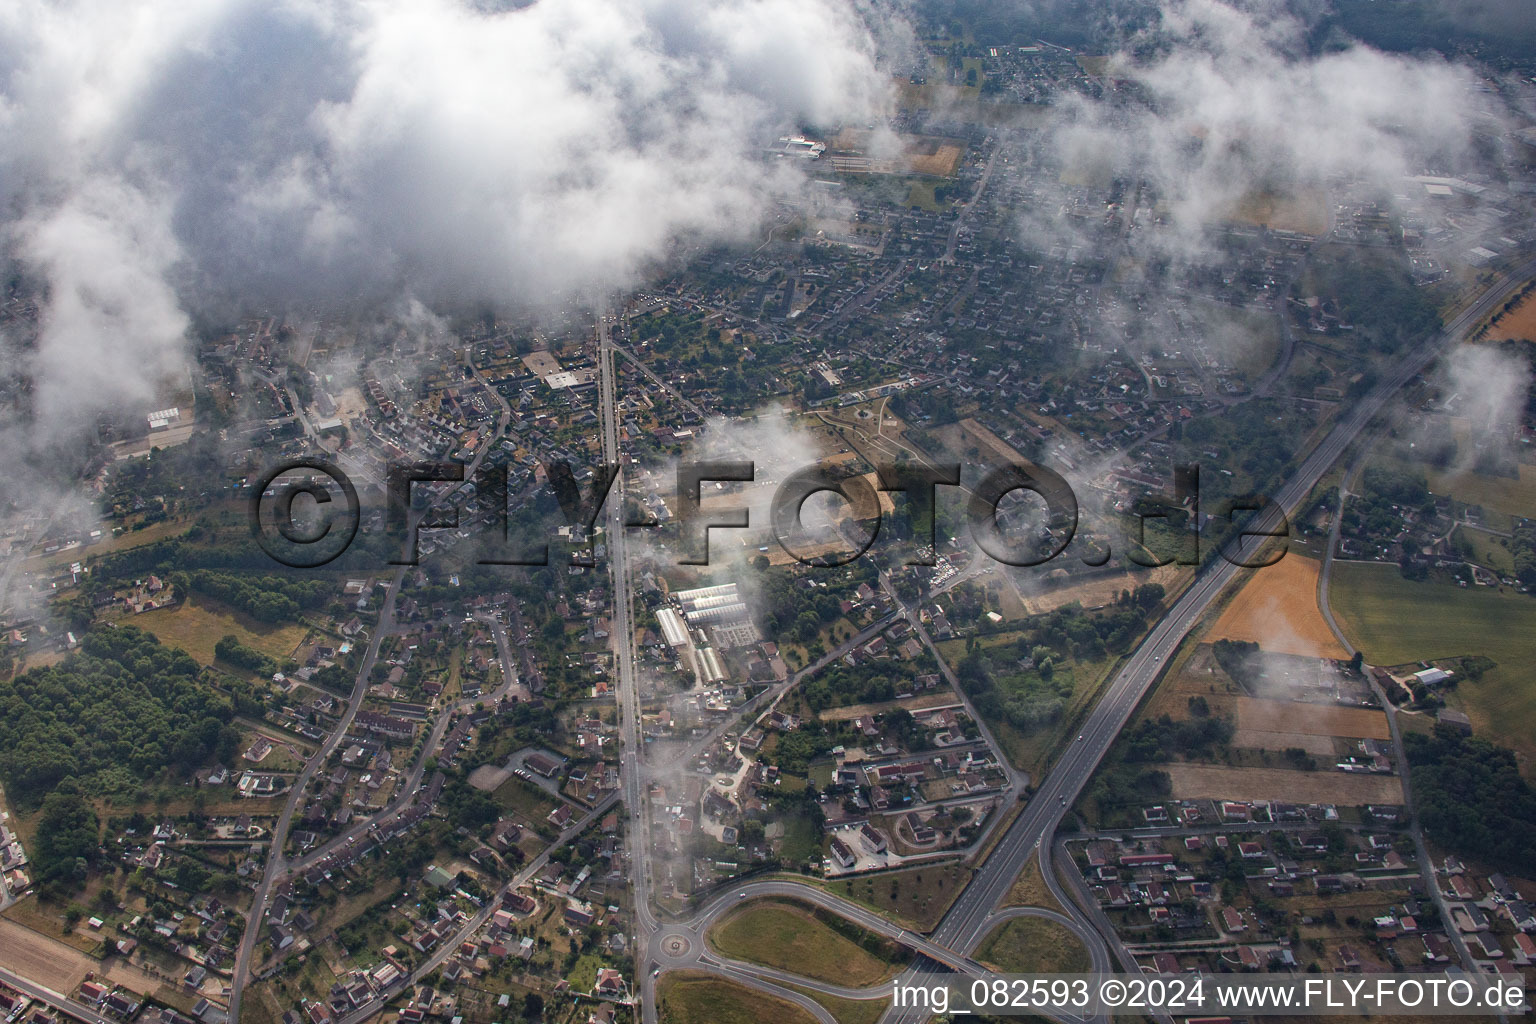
[(1204, 781), (1286, 716), (1277, 609), (41, 959), (1519, 322), (1105, 590)]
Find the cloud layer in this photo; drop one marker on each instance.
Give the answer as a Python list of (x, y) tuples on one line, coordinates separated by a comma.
[(165, 158)]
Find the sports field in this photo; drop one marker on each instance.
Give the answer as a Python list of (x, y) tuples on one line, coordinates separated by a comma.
[(691, 998), (1277, 609), (789, 936), (1396, 621)]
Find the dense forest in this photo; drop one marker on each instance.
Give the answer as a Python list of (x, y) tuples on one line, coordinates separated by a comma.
[(268, 598), (119, 711), (1471, 798)]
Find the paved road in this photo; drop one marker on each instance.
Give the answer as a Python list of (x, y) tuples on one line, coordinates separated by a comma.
[(448, 947), (965, 924), (276, 865), (58, 1000), (632, 783), (1426, 865), (972, 915)]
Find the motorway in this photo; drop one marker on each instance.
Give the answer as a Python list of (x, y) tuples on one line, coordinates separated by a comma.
[(965, 924), (973, 915)]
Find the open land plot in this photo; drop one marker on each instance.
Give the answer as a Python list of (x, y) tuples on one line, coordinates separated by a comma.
[(1284, 716), (687, 997), (1397, 621), (1029, 889), (1487, 549), (922, 702), (1514, 495), (42, 959), (1104, 590), (1277, 609), (1258, 739), (1519, 322), (1033, 945), (916, 898), (489, 777), (792, 937), (196, 625), (848, 1011), (1305, 211), (1208, 781)]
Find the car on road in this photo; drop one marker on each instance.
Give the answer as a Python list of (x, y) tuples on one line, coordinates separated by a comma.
[(741, 895), (1079, 737)]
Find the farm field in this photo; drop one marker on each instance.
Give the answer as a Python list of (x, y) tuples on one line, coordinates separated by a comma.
[(1519, 322), (1284, 716), (1511, 495), (1206, 781), (42, 959), (791, 937), (196, 625), (1029, 945), (1277, 609), (1396, 622), (693, 998)]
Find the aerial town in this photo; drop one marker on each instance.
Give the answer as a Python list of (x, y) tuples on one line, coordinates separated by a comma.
[(589, 715)]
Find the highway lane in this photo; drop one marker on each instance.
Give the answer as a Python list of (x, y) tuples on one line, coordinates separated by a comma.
[(972, 915), (963, 926)]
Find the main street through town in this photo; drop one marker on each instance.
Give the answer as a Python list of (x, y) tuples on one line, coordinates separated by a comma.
[(670, 942)]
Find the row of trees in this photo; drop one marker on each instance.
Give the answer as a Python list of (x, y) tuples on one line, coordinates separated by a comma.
[(268, 598)]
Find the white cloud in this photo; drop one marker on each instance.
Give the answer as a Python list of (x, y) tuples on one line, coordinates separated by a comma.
[(164, 157)]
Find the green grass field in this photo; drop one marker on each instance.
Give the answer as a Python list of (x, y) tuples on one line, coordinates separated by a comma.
[(916, 898), (1033, 945), (196, 625), (789, 936), (688, 998), (848, 1011), (1395, 621), (1502, 493), (525, 799)]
